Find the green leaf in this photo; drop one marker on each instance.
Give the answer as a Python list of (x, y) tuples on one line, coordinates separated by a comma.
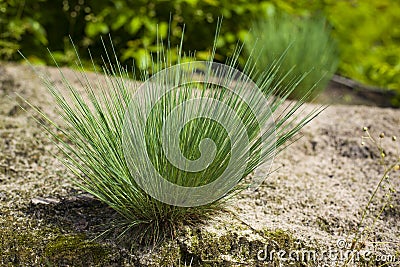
[(119, 22), (96, 28), (135, 25)]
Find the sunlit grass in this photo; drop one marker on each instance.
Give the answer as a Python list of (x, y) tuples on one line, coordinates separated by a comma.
[(91, 138)]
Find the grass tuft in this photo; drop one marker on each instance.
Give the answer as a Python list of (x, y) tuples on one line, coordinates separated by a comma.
[(306, 46), (103, 122)]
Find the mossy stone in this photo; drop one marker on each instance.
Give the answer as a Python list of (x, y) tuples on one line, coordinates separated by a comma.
[(75, 250)]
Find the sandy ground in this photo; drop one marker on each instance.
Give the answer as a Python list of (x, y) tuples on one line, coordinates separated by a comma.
[(314, 200)]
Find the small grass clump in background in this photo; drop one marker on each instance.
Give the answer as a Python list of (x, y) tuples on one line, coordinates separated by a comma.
[(92, 137), (305, 46)]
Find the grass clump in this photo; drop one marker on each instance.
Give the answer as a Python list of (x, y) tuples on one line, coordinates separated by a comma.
[(306, 46), (104, 122)]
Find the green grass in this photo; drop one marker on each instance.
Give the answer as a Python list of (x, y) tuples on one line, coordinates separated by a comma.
[(307, 48), (100, 137)]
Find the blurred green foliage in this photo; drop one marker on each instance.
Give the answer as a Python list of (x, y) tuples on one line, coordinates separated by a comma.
[(368, 35), (369, 38), (368, 32), (133, 24)]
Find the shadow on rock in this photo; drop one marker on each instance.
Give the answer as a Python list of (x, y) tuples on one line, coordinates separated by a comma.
[(80, 213)]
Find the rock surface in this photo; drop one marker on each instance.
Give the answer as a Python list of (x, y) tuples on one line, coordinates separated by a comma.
[(314, 201)]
